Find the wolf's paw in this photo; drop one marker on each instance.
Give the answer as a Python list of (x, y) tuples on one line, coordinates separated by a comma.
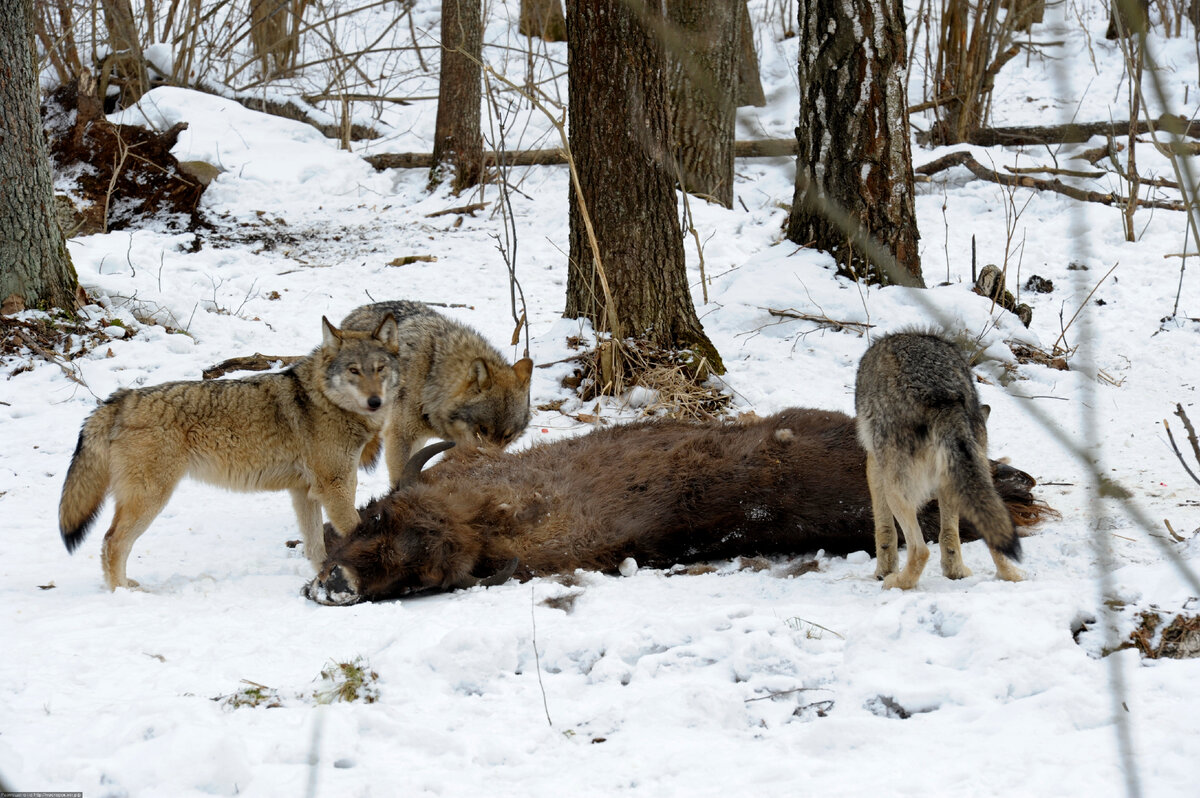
[(887, 561), (333, 591), (1010, 574), (900, 580), (956, 570)]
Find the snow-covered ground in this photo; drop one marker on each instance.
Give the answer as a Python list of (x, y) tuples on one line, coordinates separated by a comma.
[(737, 682)]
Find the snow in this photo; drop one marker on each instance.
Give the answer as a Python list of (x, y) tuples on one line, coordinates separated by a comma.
[(735, 682)]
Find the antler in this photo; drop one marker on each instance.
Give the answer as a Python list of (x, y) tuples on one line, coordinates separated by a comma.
[(412, 469)]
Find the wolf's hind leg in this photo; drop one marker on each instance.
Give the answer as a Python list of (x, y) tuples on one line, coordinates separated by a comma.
[(914, 541), (886, 554), (146, 466), (1005, 569), (948, 540), (133, 515)]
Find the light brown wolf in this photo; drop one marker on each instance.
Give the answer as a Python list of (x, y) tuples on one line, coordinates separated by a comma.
[(925, 434), (302, 430), (453, 384)]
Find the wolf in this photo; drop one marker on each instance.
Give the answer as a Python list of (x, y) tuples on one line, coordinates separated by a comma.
[(660, 491), (925, 435), (453, 384), (302, 430)]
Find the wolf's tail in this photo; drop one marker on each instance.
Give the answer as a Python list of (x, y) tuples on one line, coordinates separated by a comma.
[(971, 476), (87, 478)]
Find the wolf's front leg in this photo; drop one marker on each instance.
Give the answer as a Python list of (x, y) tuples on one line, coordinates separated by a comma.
[(336, 494), (402, 438), (308, 514)]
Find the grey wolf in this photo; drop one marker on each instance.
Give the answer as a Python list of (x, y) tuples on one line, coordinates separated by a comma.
[(302, 430), (662, 492), (925, 435), (453, 384)]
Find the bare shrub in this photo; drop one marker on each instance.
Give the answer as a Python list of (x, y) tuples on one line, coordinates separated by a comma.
[(275, 34), (975, 41)]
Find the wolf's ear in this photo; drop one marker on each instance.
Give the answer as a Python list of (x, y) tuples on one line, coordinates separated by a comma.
[(480, 376), (330, 336), (524, 370), (987, 412), (388, 333)]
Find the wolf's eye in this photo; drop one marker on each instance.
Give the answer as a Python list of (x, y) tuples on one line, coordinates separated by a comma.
[(354, 370)]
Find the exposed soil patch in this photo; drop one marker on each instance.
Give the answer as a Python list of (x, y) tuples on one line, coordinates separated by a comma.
[(57, 340), (120, 175), (1180, 639)]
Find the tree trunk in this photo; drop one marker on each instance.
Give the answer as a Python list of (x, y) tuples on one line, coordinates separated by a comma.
[(702, 57), (1024, 14), (618, 139), (125, 63), (544, 19), (457, 140), (749, 82), (854, 178), (1127, 17), (35, 269)]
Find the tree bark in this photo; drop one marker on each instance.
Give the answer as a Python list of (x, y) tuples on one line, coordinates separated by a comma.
[(749, 81), (854, 181), (35, 269), (618, 139), (702, 74), (543, 19), (457, 140)]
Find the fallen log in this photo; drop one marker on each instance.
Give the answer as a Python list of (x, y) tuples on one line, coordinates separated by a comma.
[(754, 148), (255, 362), (964, 158), (1071, 133)]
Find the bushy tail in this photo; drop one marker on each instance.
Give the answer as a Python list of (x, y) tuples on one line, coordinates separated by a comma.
[(977, 498), (87, 478)]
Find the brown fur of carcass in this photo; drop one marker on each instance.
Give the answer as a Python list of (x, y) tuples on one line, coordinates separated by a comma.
[(662, 492)]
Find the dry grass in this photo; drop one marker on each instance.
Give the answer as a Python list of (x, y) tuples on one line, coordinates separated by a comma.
[(669, 380), (1026, 353)]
